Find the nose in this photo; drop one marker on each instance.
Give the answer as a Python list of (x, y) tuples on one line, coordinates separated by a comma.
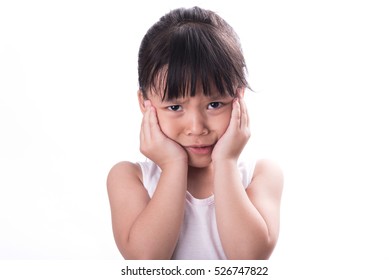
[(196, 124)]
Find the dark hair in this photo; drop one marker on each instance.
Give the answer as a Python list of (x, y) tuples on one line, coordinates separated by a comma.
[(190, 46)]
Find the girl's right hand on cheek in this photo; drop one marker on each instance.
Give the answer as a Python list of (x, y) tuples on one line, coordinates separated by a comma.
[(155, 145)]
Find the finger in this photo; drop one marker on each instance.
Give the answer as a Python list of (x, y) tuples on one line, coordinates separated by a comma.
[(155, 129), (146, 131), (244, 118), (153, 116), (235, 114)]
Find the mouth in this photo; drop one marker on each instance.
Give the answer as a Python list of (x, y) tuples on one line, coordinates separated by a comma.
[(200, 150)]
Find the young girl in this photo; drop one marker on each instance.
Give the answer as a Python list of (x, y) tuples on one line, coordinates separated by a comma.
[(193, 198)]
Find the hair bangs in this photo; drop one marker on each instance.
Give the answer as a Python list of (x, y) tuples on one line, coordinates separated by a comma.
[(197, 59)]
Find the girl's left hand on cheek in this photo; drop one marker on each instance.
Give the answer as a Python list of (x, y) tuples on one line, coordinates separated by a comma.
[(231, 144)]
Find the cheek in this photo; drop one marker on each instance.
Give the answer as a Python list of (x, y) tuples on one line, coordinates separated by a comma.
[(221, 123), (168, 127)]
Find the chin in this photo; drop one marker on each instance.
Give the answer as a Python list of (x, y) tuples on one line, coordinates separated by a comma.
[(197, 163)]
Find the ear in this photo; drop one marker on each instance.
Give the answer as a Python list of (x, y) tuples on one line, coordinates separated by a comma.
[(141, 101)]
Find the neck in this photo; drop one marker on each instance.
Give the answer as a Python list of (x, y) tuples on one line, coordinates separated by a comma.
[(200, 181)]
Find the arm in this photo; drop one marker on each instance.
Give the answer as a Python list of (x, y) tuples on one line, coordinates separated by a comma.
[(147, 228), (248, 222)]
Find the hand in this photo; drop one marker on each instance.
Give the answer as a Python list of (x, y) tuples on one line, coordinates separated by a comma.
[(155, 145), (231, 144)]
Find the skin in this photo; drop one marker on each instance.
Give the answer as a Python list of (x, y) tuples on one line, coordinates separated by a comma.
[(173, 135)]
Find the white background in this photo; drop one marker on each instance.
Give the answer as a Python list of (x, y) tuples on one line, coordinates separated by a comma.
[(68, 112)]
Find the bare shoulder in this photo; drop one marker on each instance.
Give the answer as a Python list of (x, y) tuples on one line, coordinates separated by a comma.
[(265, 191), (267, 167), (127, 197), (123, 172), (268, 176), (124, 181)]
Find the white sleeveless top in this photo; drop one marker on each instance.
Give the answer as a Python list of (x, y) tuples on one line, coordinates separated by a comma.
[(199, 238)]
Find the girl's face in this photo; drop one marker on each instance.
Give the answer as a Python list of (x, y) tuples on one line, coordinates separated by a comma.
[(196, 123)]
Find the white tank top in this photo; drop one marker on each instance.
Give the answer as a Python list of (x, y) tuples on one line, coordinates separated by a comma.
[(199, 238)]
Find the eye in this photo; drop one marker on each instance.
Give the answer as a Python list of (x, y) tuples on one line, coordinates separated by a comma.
[(214, 105), (174, 108)]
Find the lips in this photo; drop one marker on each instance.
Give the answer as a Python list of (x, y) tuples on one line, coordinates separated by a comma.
[(200, 150)]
